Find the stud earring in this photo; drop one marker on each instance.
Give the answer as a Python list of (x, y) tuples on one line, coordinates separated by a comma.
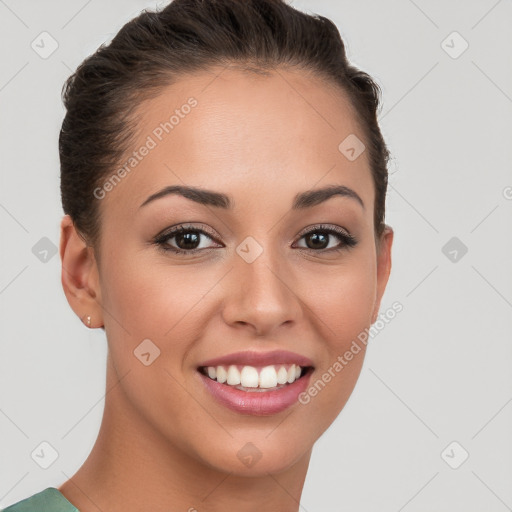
[(88, 321)]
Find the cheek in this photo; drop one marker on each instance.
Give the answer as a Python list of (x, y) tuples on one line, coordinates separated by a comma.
[(344, 300), (153, 302), (141, 296), (149, 298), (342, 305)]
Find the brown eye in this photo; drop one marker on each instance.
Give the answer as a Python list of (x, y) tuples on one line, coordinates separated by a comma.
[(187, 240), (319, 238)]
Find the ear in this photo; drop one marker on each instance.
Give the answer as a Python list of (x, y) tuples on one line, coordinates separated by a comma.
[(383, 267), (80, 277)]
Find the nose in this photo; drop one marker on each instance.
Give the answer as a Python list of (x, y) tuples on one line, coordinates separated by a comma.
[(261, 296)]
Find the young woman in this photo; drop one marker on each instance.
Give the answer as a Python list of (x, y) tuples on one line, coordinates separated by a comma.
[(223, 179)]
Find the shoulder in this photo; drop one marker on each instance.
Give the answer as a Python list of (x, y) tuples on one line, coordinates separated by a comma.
[(48, 500)]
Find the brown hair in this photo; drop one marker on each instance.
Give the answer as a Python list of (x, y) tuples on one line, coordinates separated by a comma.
[(155, 49)]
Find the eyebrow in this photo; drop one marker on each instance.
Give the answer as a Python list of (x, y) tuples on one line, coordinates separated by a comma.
[(303, 200)]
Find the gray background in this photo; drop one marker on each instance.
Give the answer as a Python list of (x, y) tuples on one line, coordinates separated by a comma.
[(439, 372)]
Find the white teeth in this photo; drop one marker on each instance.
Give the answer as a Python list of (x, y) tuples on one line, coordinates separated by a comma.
[(249, 377), (267, 377), (233, 376), (282, 375), (221, 374), (291, 373)]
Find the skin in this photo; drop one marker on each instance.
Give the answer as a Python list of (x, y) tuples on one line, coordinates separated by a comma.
[(164, 443)]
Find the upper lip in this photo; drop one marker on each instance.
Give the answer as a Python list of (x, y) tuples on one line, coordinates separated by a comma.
[(254, 358)]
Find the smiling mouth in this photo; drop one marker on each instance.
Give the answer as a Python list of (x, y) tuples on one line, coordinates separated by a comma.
[(256, 378)]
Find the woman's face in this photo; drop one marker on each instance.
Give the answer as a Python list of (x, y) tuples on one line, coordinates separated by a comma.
[(257, 281)]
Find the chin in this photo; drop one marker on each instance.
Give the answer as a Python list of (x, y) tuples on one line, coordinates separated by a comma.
[(255, 455)]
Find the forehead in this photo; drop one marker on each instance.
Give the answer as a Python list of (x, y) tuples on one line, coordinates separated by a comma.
[(238, 131)]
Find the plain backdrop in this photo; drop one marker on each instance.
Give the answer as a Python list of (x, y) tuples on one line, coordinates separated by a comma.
[(428, 425)]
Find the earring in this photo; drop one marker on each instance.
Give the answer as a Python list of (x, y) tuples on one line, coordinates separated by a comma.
[(88, 321)]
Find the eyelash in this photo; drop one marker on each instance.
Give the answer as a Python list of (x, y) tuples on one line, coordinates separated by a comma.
[(348, 240)]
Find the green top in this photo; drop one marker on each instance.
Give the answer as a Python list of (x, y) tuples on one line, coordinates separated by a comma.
[(49, 500)]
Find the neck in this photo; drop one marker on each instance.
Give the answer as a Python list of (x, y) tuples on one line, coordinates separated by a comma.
[(133, 467)]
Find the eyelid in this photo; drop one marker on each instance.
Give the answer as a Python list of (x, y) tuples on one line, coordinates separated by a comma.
[(324, 227), (201, 228), (162, 239), (347, 239)]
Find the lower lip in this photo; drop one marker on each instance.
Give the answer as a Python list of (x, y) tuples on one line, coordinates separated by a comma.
[(257, 403)]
